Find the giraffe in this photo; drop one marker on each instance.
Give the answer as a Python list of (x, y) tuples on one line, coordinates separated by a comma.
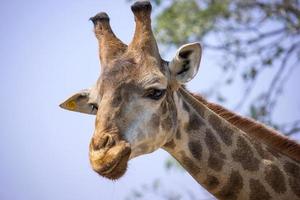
[(141, 104)]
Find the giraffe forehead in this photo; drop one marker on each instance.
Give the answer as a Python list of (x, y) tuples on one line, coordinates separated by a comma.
[(119, 71), (128, 70)]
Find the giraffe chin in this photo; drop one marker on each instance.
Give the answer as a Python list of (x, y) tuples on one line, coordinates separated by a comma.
[(112, 163)]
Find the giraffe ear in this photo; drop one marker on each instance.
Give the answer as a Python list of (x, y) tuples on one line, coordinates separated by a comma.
[(185, 65), (80, 102)]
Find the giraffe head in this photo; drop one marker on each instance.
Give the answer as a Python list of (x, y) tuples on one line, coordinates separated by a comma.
[(133, 97)]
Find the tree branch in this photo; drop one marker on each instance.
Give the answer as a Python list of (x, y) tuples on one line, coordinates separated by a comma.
[(282, 67), (266, 35)]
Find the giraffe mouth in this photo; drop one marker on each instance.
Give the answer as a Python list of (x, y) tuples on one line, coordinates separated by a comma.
[(117, 167), (111, 163)]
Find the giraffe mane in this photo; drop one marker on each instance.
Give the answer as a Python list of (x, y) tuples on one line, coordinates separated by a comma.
[(270, 137)]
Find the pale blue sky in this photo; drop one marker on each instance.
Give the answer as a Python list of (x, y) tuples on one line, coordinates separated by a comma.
[(48, 51)]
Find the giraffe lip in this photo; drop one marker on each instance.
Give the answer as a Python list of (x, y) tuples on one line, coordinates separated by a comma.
[(109, 168), (111, 162)]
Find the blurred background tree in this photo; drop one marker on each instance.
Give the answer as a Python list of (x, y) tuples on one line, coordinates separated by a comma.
[(250, 41)]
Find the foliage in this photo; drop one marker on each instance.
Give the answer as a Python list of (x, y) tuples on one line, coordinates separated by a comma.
[(250, 38)]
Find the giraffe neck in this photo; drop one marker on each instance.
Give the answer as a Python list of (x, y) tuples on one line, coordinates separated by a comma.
[(226, 161)]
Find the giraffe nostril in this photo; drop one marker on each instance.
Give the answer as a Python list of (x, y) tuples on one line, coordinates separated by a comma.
[(105, 141), (110, 142), (101, 143)]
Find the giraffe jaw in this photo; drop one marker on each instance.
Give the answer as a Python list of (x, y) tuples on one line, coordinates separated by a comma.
[(111, 163)]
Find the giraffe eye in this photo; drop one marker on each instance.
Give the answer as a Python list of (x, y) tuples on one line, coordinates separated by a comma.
[(155, 94)]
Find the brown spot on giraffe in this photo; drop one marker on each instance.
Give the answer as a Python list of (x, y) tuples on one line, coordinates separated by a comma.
[(194, 123), (189, 164), (215, 163), (224, 132), (167, 123), (155, 120), (232, 188), (178, 134), (245, 156), (258, 191), (171, 144), (216, 157), (211, 182), (195, 148), (169, 118), (293, 172), (275, 178), (262, 152)]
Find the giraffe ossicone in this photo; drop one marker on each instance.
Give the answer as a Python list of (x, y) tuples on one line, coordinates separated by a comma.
[(141, 105)]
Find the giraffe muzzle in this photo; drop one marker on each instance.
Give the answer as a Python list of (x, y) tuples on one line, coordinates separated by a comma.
[(109, 157)]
